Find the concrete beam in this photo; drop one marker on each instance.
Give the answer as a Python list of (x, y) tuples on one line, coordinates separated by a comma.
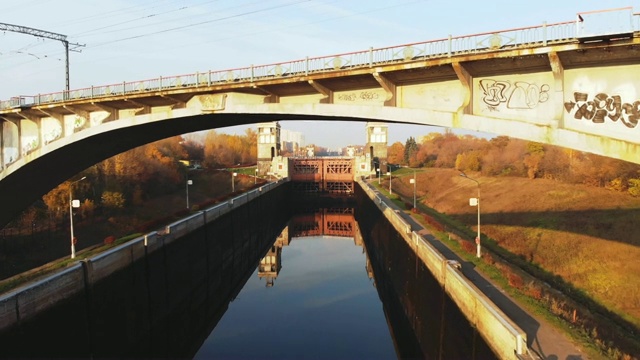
[(82, 113), (389, 88), (326, 93), (558, 87), (272, 98), (467, 83), (141, 108), (179, 104)]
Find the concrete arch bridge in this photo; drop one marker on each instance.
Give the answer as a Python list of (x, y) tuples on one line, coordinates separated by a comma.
[(573, 84)]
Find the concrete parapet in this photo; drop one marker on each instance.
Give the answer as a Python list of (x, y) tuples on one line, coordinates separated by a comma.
[(119, 257), (239, 200), (432, 258), (184, 226), (504, 337), (8, 310), (26, 302), (397, 221), (215, 212)]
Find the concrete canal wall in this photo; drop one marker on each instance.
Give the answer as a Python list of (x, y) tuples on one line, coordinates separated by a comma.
[(82, 280), (504, 337)]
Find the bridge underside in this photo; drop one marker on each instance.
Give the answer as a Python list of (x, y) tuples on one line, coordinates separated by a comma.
[(582, 96)]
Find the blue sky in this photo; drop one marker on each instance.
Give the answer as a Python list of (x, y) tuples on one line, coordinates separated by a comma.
[(138, 39)]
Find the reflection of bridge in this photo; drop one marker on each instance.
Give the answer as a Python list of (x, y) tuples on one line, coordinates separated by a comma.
[(544, 83)]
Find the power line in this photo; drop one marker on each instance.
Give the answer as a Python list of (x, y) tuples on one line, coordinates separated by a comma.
[(199, 23), (47, 35)]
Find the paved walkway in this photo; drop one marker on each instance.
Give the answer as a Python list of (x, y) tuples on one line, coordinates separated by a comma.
[(543, 340)]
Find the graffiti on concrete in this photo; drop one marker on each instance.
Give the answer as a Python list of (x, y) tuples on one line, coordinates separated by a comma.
[(361, 96), (603, 106), (519, 95)]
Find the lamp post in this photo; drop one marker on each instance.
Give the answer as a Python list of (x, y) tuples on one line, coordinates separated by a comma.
[(389, 173), (71, 206), (413, 181), (477, 203), (189, 182), (378, 171), (233, 182)]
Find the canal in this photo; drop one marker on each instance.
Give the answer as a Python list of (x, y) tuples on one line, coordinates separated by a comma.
[(323, 279)]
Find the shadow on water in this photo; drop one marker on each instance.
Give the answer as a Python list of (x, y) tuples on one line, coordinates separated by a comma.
[(169, 302), (424, 321), (164, 304)]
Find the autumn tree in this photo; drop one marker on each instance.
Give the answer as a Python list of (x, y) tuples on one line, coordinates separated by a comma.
[(503, 157), (533, 158), (222, 150), (395, 153)]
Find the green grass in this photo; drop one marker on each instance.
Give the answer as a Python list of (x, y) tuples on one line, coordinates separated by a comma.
[(534, 306)]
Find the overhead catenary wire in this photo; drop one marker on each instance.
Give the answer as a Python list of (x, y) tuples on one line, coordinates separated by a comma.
[(48, 35), (160, 11)]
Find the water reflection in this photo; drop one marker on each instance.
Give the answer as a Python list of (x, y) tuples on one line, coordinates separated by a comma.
[(345, 289), (324, 304), (423, 320)]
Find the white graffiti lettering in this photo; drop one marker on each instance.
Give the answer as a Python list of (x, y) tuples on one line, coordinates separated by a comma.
[(519, 95)]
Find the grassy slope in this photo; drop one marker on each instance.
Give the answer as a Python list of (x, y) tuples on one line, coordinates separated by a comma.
[(586, 235)]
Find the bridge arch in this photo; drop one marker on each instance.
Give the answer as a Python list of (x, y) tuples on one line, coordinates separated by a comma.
[(46, 166), (554, 88)]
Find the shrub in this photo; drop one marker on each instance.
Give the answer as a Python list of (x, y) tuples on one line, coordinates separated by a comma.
[(634, 187), (109, 240), (533, 291), (468, 246), (515, 280)]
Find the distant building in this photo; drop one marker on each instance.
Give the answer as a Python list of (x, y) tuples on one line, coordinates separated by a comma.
[(291, 141), (311, 151)]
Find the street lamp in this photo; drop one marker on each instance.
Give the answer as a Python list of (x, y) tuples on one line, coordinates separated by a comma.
[(475, 202), (189, 182), (233, 183), (413, 181), (71, 206), (389, 173)]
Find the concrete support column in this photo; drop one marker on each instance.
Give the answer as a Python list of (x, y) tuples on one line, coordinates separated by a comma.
[(467, 83), (59, 118), (81, 113), (558, 87), (389, 88), (2, 120), (326, 93), (113, 112), (38, 122)]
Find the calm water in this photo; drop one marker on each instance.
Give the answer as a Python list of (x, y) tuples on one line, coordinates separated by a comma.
[(287, 286), (322, 304)]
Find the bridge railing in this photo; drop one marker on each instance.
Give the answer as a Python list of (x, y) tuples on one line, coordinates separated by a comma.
[(468, 44)]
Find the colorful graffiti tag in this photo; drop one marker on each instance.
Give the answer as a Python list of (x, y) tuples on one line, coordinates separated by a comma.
[(603, 106)]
